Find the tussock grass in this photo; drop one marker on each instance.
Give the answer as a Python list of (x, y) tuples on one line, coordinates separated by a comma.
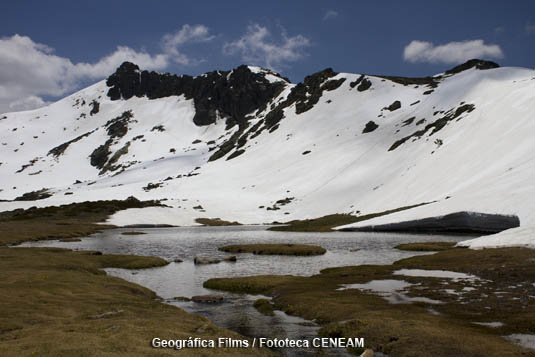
[(132, 233), (57, 302), (409, 329)]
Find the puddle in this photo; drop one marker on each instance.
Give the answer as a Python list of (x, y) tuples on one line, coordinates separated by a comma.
[(495, 324), (524, 340), (435, 274), (391, 290)]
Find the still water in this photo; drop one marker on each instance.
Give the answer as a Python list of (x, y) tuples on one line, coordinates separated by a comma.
[(236, 313)]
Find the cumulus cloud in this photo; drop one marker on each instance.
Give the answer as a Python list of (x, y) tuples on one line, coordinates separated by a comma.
[(257, 47), (171, 42), (331, 14), (530, 29), (450, 53), (30, 102), (30, 70)]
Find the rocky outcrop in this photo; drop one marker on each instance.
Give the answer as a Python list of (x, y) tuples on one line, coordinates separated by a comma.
[(205, 260), (224, 94), (473, 63)]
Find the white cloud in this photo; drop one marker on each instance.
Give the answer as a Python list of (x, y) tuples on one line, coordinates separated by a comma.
[(530, 29), (331, 14), (172, 41), (450, 53), (30, 102), (30, 70), (257, 47)]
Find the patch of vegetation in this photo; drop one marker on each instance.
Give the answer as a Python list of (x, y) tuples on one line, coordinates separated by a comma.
[(426, 246), (216, 222), (275, 249), (66, 221), (502, 295), (258, 284), (56, 302), (370, 126), (327, 223), (132, 233), (264, 306)]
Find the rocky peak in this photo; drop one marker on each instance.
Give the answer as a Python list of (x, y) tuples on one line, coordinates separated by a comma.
[(477, 63), (224, 94)]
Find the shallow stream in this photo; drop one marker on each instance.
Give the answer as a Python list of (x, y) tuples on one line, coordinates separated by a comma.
[(236, 312)]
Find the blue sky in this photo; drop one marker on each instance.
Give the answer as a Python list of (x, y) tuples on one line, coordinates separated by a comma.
[(50, 49)]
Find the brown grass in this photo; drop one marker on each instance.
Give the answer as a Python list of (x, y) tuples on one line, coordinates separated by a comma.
[(327, 223), (56, 302), (409, 329), (426, 246), (132, 233), (216, 222)]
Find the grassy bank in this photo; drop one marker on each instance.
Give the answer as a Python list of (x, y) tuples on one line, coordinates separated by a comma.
[(56, 302), (216, 222), (417, 329), (327, 223), (275, 249), (426, 246), (60, 222)]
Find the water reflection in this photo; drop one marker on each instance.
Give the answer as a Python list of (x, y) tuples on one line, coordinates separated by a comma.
[(237, 313)]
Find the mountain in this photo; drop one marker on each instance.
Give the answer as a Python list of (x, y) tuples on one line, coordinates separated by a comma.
[(247, 145)]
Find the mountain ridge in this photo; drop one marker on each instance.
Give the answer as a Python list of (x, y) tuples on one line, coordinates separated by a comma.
[(325, 145)]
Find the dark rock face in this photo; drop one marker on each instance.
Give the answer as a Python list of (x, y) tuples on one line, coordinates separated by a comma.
[(228, 94), (370, 126), (95, 107), (116, 128), (362, 82), (477, 63), (394, 106), (34, 195), (437, 125), (458, 222)]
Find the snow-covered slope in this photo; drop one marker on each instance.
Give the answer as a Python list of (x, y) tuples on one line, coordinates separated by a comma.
[(459, 141)]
